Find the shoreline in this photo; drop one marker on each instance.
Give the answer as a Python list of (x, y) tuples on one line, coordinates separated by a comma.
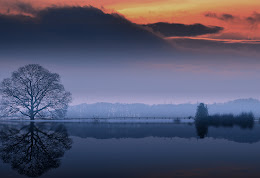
[(109, 120)]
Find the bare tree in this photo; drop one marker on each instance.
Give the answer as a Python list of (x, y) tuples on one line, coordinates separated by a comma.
[(34, 91)]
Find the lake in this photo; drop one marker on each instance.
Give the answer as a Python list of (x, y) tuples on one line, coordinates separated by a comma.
[(78, 149)]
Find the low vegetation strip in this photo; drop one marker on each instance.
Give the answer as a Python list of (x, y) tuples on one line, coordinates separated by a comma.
[(244, 120)]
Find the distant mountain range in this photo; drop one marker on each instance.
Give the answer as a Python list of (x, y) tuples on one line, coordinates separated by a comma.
[(160, 110)]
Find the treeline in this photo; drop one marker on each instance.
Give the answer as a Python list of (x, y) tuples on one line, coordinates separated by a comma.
[(244, 120), (203, 120), (106, 110)]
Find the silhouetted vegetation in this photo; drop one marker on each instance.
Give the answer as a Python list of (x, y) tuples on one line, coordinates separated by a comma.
[(203, 120), (34, 91), (244, 120), (202, 111)]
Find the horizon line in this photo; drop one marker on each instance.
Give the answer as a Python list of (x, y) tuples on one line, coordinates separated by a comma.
[(103, 102)]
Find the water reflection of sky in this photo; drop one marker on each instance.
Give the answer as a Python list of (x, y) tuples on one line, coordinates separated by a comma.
[(153, 150)]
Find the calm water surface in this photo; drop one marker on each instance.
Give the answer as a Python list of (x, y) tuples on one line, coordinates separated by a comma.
[(127, 150)]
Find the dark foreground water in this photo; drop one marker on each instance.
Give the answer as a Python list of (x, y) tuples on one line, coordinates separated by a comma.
[(127, 150)]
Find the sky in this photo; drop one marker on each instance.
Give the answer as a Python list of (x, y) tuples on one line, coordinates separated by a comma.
[(105, 54), (239, 18)]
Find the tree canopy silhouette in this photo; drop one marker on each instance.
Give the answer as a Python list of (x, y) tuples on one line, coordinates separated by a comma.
[(33, 149), (34, 91), (202, 111)]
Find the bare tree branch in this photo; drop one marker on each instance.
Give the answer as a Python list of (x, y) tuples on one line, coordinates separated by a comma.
[(34, 91)]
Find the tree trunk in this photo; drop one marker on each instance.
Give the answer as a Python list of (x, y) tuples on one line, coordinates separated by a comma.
[(31, 114), (31, 110)]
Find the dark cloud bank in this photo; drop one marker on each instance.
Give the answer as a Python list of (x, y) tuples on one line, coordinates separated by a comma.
[(76, 28), (174, 29), (88, 30), (88, 34)]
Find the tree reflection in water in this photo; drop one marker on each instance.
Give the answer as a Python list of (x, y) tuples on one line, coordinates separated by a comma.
[(35, 148), (201, 128)]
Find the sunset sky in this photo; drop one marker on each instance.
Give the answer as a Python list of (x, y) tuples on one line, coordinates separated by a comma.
[(240, 18), (105, 58)]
